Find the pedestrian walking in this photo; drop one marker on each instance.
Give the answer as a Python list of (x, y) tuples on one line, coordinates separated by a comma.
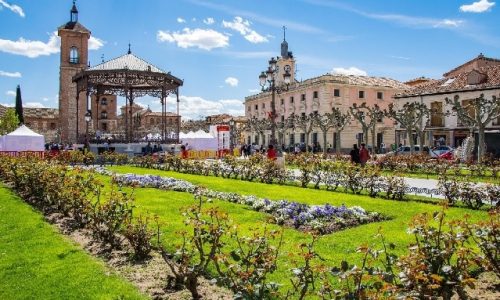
[(354, 154)]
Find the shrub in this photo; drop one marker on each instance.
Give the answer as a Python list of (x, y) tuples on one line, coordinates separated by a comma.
[(439, 261), (198, 249), (246, 268), (109, 217), (139, 234)]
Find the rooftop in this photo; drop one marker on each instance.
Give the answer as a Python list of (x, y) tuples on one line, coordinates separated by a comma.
[(32, 112), (480, 58), (126, 62), (458, 83)]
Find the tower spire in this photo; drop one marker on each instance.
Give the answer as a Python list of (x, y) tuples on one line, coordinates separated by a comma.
[(129, 51), (284, 45), (74, 13)]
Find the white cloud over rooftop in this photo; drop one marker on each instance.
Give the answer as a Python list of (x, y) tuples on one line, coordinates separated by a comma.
[(206, 39)]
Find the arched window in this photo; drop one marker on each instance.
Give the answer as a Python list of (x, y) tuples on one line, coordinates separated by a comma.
[(104, 101), (74, 58)]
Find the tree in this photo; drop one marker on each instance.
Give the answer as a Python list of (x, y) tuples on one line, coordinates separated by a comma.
[(410, 117), (282, 127), (9, 121), (259, 126), (306, 123), (335, 119), (368, 117), (476, 113), (19, 105), (341, 121)]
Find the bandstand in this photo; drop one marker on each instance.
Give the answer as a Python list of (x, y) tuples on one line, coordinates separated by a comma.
[(131, 77)]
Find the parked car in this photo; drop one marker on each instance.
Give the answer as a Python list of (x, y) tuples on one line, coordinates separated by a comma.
[(439, 150), (404, 150), (448, 155)]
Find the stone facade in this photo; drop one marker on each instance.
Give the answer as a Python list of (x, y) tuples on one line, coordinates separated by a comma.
[(320, 95), (466, 81)]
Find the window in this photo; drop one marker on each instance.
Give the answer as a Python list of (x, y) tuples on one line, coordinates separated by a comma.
[(361, 94), (73, 55), (380, 95), (282, 101), (302, 137), (52, 126), (249, 108), (256, 107), (315, 112), (104, 115), (336, 93), (303, 97), (292, 139), (263, 105), (104, 101), (291, 100), (303, 115), (315, 94), (282, 118), (104, 126)]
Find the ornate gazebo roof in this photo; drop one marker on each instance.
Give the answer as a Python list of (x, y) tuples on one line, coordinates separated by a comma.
[(127, 61)]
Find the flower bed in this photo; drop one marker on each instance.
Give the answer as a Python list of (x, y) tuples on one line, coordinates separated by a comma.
[(322, 218)]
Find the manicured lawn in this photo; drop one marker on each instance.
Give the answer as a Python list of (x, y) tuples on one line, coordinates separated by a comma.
[(333, 247), (36, 262)]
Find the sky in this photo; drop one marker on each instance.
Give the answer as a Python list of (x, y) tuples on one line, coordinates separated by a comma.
[(220, 47)]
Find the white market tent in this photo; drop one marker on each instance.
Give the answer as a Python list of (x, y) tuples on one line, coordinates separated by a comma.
[(199, 140), (22, 139)]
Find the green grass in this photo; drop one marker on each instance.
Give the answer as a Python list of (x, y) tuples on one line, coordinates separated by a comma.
[(333, 247), (36, 262)]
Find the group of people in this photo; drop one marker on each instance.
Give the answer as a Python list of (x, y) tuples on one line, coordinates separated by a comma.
[(359, 155), (149, 150)]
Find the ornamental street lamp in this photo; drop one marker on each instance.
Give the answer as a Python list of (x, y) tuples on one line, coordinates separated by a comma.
[(268, 83), (231, 135), (88, 118)]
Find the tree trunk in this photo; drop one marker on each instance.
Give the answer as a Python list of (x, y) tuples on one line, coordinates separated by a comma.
[(409, 133), (337, 142), (374, 133), (365, 136), (421, 137), (324, 142), (307, 141), (481, 146)]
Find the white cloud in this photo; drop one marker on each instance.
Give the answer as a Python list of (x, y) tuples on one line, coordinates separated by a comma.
[(243, 27), (10, 74), (209, 21), (447, 23), (14, 8), (206, 39), (95, 43), (10, 93), (29, 48), (192, 107), (477, 7), (349, 71), (231, 81), (181, 20), (33, 49), (34, 105), (7, 104), (254, 91), (45, 99)]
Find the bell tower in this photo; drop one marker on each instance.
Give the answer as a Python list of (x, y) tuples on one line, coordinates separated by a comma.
[(74, 58), (286, 62)]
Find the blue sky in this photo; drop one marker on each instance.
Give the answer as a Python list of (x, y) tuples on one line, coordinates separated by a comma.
[(220, 47)]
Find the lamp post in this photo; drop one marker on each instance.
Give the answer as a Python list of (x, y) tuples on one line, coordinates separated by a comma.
[(268, 83), (88, 118), (231, 135)]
